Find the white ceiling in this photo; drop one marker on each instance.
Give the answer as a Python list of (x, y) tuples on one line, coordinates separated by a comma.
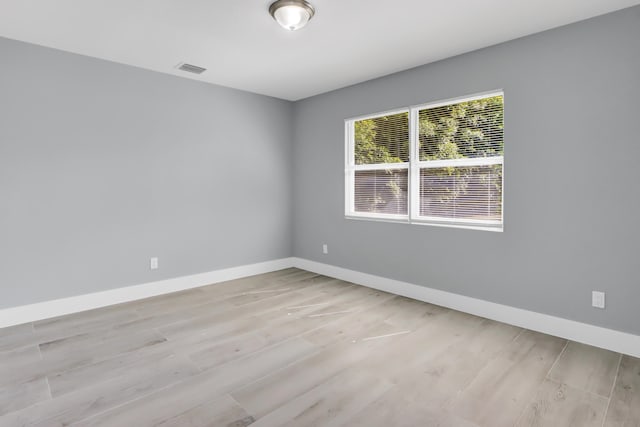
[(348, 41)]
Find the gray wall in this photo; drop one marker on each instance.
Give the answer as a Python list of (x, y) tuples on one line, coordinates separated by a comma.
[(572, 129), (103, 166)]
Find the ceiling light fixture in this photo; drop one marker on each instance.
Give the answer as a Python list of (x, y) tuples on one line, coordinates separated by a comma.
[(291, 14)]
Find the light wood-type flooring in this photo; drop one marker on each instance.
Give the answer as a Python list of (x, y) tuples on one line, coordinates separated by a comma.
[(292, 348)]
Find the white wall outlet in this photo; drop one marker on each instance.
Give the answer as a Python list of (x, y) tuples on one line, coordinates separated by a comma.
[(597, 299), (325, 248), (153, 263)]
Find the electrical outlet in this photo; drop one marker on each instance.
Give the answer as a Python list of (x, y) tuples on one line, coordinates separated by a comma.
[(597, 299), (325, 249), (153, 263)]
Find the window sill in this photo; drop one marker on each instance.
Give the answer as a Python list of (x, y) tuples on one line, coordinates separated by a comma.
[(404, 220)]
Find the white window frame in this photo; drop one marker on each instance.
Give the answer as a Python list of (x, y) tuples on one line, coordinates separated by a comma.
[(414, 166)]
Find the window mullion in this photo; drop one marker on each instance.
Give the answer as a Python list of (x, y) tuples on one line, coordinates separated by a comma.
[(475, 161), (414, 170), (380, 166)]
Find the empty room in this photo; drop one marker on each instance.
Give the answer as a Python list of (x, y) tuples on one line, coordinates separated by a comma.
[(319, 213)]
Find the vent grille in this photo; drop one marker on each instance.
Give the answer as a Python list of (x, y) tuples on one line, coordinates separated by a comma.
[(189, 68)]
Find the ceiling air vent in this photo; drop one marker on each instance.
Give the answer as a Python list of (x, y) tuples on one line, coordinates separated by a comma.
[(191, 68)]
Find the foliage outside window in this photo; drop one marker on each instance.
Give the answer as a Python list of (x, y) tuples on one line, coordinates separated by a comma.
[(440, 163)]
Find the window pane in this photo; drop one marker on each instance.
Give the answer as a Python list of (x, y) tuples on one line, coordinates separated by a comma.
[(381, 191), (471, 193), (382, 139), (463, 130)]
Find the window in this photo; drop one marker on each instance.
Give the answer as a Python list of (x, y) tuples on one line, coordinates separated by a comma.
[(438, 164)]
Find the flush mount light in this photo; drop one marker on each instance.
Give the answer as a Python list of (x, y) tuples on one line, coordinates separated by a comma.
[(291, 14)]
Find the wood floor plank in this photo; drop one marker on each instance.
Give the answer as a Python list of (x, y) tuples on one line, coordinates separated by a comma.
[(436, 381), (559, 404), (89, 375), (211, 295), (503, 388), (163, 303), (280, 325), (206, 322), (25, 328), (412, 314), (94, 399), (223, 412), (262, 281), (253, 296), (411, 351), (369, 322), (204, 388), (67, 326), (293, 321), (587, 368), (216, 353), (214, 295), (14, 341), (267, 394), (20, 395), (624, 409), (331, 403), (105, 317), (171, 315), (17, 360), (206, 332), (296, 276), (395, 408), (215, 304), (85, 349)]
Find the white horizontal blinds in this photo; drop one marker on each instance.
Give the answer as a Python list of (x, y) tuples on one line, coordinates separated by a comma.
[(383, 139), (462, 130), (380, 164), (381, 191), (462, 193), (461, 148)]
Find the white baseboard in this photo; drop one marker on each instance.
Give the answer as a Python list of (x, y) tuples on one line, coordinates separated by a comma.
[(576, 331), (47, 309)]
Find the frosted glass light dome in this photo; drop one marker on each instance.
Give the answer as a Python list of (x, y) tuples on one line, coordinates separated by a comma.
[(291, 14)]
